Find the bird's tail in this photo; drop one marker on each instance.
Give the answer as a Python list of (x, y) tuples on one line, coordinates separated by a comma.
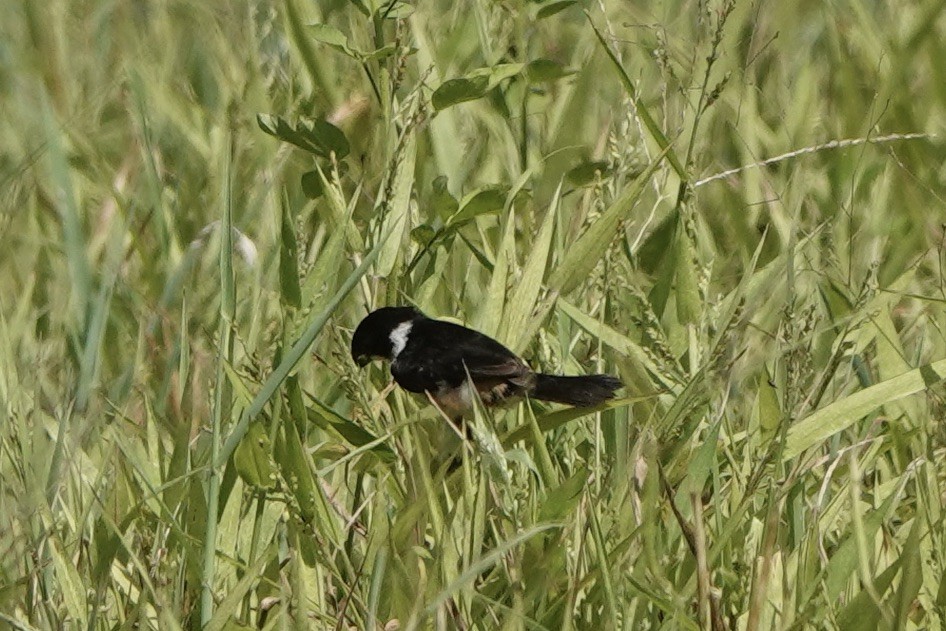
[(584, 391)]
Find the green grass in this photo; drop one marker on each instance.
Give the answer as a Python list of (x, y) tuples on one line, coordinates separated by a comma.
[(186, 246)]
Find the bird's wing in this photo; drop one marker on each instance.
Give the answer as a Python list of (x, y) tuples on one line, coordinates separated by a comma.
[(442, 353)]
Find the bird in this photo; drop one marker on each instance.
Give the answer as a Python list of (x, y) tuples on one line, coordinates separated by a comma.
[(444, 360)]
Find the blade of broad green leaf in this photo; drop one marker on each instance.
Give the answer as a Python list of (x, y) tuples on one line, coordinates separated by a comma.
[(489, 199), (941, 595), (295, 408), (445, 126), (318, 137), (545, 71), (836, 300), (642, 111), (454, 91), (843, 413), (617, 341), (296, 353), (434, 281), (482, 201), (253, 458), (442, 203), (299, 536), (328, 34), (501, 72), (290, 291), (768, 410), (362, 7), (312, 186), (543, 308), (478, 533), (583, 255), (423, 235), (522, 301), (474, 85), (147, 473), (397, 218)]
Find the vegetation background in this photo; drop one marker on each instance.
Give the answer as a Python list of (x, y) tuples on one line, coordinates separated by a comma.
[(736, 206)]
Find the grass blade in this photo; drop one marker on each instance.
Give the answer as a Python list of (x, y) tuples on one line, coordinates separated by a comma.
[(841, 414), (522, 302)]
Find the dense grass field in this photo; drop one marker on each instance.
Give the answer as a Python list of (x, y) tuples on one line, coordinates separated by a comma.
[(738, 207)]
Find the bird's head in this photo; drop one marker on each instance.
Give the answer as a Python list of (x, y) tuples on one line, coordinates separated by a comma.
[(378, 335)]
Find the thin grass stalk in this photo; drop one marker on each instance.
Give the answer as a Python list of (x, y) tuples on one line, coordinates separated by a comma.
[(221, 398)]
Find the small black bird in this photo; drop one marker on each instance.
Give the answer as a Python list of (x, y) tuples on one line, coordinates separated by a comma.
[(436, 357)]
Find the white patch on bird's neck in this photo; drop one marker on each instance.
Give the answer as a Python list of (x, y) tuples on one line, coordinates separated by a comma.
[(398, 338)]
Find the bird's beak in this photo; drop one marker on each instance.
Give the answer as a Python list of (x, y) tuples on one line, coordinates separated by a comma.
[(362, 360)]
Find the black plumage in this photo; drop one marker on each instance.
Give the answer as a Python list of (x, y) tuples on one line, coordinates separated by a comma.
[(443, 358)]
